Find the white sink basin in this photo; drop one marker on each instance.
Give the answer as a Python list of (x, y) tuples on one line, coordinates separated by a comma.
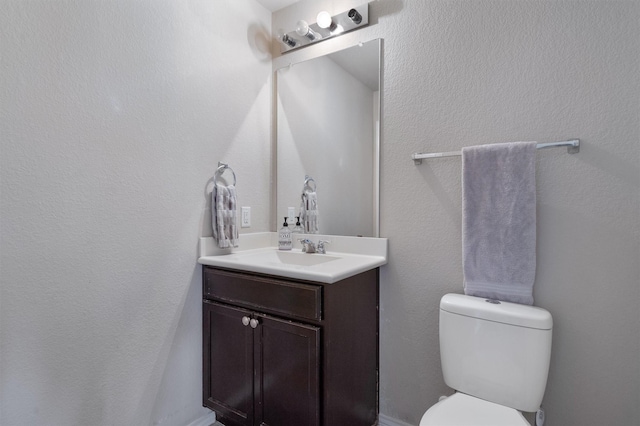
[(357, 255), (299, 258)]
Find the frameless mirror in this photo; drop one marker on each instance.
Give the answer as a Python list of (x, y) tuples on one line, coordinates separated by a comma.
[(328, 127)]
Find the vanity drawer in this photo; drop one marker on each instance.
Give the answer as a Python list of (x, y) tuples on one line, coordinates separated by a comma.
[(265, 294)]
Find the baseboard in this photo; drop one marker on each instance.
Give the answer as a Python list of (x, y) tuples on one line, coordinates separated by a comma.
[(208, 419), (390, 421)]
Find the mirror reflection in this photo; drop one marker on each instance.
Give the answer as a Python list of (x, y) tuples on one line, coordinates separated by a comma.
[(328, 121)]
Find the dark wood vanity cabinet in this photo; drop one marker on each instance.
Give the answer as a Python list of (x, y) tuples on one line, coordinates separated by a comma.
[(281, 355), (280, 352)]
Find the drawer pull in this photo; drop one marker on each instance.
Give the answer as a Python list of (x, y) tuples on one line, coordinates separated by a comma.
[(254, 323), (246, 321)]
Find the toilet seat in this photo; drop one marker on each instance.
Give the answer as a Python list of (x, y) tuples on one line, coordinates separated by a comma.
[(465, 410)]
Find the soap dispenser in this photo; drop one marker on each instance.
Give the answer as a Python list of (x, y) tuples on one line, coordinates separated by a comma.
[(285, 241), (298, 229)]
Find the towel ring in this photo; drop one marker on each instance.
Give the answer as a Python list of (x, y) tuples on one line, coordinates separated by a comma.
[(307, 180), (220, 170)]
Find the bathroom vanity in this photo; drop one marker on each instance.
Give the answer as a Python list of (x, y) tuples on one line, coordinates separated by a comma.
[(291, 338), (287, 351)]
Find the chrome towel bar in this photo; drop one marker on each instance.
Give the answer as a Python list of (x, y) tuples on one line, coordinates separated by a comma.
[(573, 147)]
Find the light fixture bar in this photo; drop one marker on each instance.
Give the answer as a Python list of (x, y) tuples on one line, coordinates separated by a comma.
[(341, 23)]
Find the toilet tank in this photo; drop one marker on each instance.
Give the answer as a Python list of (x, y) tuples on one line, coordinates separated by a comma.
[(496, 351)]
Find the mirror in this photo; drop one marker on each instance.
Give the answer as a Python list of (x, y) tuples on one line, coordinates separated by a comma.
[(328, 127)]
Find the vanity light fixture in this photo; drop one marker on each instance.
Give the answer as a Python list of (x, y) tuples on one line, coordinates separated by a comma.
[(326, 27)]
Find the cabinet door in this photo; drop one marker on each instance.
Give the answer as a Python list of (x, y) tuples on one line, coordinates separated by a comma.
[(228, 363), (287, 360)]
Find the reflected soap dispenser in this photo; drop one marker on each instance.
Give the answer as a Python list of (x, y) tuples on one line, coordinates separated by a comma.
[(285, 241), (298, 229)]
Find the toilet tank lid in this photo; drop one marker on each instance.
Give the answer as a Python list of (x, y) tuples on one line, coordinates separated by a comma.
[(503, 312)]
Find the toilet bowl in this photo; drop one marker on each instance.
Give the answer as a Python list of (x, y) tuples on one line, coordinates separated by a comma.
[(495, 355), (465, 410)]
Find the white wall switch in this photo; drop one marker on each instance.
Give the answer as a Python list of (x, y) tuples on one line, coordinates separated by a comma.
[(246, 217), (291, 214)]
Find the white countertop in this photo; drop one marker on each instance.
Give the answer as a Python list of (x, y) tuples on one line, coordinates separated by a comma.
[(258, 252)]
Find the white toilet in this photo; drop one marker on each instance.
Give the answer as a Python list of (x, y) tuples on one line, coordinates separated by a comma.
[(496, 356)]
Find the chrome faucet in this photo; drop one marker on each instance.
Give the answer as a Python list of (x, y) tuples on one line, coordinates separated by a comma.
[(309, 246), (320, 247)]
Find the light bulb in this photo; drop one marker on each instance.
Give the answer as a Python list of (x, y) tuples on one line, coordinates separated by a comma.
[(324, 19), (303, 30)]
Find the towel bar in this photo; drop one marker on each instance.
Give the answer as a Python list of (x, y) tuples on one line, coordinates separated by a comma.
[(573, 147), (220, 170), (307, 184)]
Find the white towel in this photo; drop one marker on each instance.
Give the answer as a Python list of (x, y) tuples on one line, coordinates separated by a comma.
[(223, 215), (309, 215), (499, 221)]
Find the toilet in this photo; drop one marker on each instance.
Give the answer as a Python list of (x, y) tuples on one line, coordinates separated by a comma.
[(495, 355)]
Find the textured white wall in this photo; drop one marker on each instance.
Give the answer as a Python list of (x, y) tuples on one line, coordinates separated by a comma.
[(113, 117), (460, 73)]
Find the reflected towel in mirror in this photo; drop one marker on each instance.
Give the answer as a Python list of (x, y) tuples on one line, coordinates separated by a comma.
[(309, 211)]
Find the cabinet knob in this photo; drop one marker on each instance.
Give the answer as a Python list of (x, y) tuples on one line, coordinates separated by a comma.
[(246, 321), (254, 323)]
